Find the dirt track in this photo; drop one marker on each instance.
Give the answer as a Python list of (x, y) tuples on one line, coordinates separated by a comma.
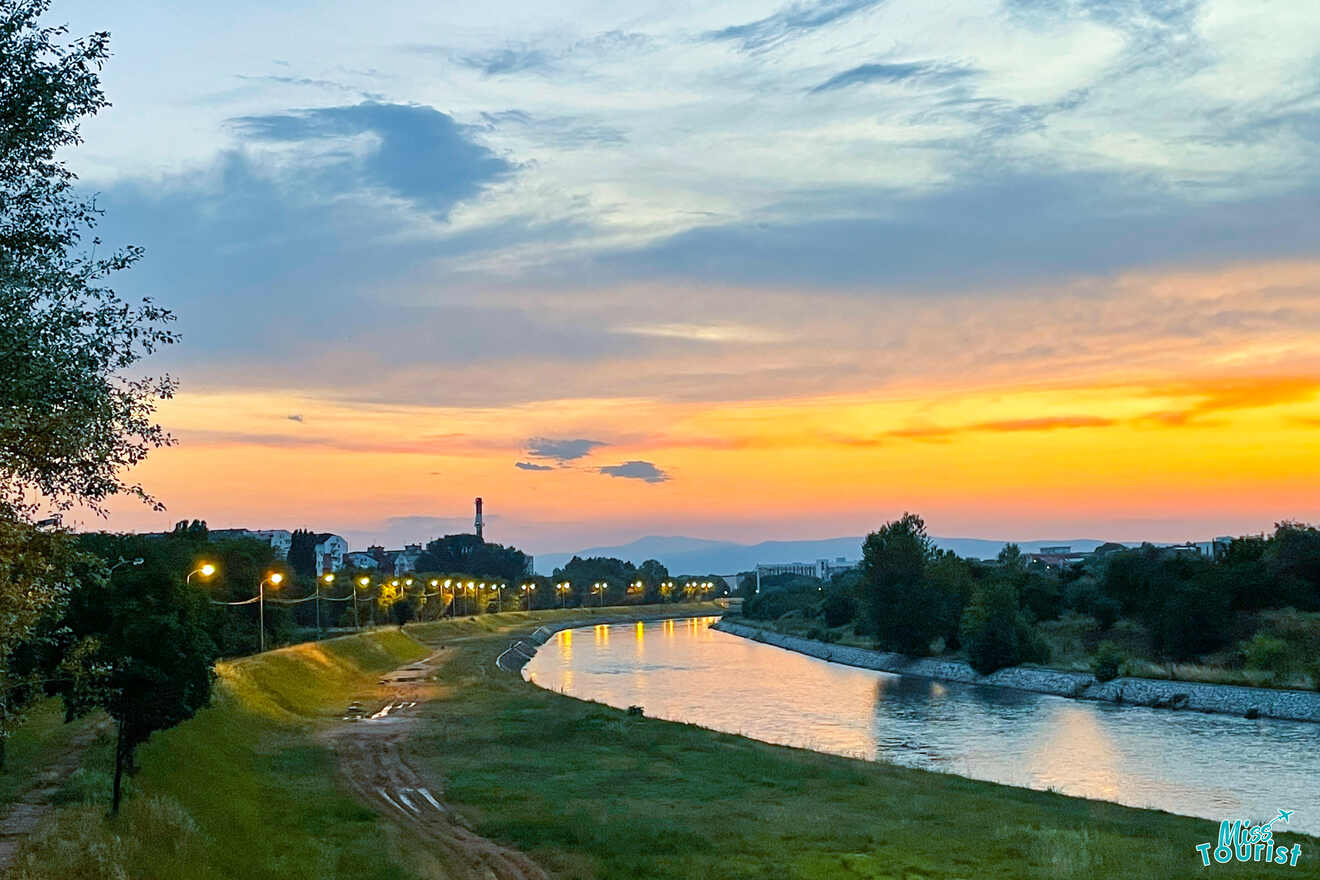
[(372, 757)]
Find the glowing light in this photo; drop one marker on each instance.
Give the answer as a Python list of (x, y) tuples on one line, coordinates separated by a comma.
[(276, 578), (207, 570)]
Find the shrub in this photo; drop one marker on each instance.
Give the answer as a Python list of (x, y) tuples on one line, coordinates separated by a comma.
[(1108, 662), (1269, 654), (839, 608), (991, 627)]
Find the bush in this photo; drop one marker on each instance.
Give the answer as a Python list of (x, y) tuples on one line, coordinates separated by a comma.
[(992, 627), (1108, 662), (1106, 611), (1269, 654), (839, 608)]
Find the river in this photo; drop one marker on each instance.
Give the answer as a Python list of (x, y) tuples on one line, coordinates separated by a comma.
[(1212, 766)]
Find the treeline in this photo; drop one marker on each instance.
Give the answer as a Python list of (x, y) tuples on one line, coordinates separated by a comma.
[(1247, 605)]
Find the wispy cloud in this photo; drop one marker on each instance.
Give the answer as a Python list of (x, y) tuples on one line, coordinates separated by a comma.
[(705, 332), (636, 470), (561, 450), (936, 72), (790, 21), (529, 466)]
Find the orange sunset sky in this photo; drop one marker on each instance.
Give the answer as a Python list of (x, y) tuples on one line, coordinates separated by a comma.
[(744, 271)]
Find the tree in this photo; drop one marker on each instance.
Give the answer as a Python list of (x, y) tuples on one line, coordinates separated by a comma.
[(302, 553), (994, 632), (652, 574), (468, 554), (71, 421), (37, 571), (144, 636), (902, 613)]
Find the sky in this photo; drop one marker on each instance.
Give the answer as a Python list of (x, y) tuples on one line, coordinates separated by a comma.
[(746, 270)]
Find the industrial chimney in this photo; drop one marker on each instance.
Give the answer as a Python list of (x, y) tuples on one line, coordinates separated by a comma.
[(479, 522)]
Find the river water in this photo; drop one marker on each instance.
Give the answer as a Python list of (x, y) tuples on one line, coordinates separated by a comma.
[(1212, 766)]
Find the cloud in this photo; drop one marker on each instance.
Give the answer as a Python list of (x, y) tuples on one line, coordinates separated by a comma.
[(509, 60), (421, 154), (529, 466), (296, 417), (895, 72), (636, 470), (790, 21), (1044, 423), (705, 332), (561, 450)]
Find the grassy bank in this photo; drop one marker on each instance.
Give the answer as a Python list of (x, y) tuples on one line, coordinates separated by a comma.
[(245, 790), (592, 792), (242, 790)]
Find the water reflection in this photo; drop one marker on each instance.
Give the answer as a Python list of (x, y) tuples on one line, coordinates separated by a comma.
[(1213, 766)]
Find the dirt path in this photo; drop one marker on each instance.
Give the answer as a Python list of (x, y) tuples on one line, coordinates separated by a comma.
[(373, 759), (30, 807)]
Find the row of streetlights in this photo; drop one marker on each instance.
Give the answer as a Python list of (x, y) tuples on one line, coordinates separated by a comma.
[(470, 589)]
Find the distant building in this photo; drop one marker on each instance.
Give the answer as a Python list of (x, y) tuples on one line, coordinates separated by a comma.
[(1059, 556), (361, 560), (279, 539), (828, 568), (402, 561), (329, 551)]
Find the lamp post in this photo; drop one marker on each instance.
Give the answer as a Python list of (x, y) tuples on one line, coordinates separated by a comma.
[(528, 589), (363, 582), (562, 590), (453, 601), (467, 602), (328, 579), (274, 579), (206, 569), (600, 588)]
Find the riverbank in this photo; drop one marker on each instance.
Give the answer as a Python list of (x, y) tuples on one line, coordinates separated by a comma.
[(1157, 693), (249, 789)]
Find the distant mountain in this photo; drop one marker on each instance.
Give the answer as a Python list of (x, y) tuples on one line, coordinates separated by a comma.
[(699, 556)]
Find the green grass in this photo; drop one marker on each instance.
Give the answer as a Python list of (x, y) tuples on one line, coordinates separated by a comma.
[(243, 790), (591, 792)]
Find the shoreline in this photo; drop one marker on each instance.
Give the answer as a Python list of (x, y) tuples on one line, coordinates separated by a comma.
[(522, 649), (1219, 699)]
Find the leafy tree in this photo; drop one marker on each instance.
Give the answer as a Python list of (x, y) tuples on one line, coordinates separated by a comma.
[(583, 573), (144, 635), (469, 554), (71, 421), (994, 632), (652, 574), (903, 614), (302, 553), (37, 571)]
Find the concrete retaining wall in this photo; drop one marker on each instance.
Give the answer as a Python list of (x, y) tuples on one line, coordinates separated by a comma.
[(1219, 698)]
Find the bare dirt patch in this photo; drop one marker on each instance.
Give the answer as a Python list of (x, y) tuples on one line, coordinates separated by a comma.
[(373, 758)]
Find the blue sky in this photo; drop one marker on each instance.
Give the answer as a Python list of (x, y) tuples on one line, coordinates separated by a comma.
[(499, 204)]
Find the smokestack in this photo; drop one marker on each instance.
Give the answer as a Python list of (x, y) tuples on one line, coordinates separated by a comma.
[(479, 523)]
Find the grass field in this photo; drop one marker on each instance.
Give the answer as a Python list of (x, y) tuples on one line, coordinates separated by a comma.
[(592, 792), (246, 790)]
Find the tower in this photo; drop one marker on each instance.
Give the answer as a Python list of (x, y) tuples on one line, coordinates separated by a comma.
[(478, 522)]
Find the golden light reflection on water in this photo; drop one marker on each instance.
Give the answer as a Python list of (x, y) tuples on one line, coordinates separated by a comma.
[(1074, 739), (683, 671)]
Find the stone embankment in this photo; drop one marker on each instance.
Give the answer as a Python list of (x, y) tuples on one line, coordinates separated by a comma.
[(1218, 698)]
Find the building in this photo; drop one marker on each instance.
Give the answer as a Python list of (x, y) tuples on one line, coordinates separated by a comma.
[(279, 539), (828, 568), (329, 551), (1059, 556), (400, 561), (361, 560)]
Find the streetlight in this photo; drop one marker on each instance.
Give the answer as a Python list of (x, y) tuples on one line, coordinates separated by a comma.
[(528, 589), (327, 579), (600, 588), (363, 582), (453, 600), (206, 569), (274, 579), (467, 603)]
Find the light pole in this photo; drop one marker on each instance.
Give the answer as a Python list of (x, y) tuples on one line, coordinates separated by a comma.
[(562, 590), (206, 569), (467, 601), (274, 579), (600, 588), (363, 582), (453, 601), (528, 589), (327, 579)]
